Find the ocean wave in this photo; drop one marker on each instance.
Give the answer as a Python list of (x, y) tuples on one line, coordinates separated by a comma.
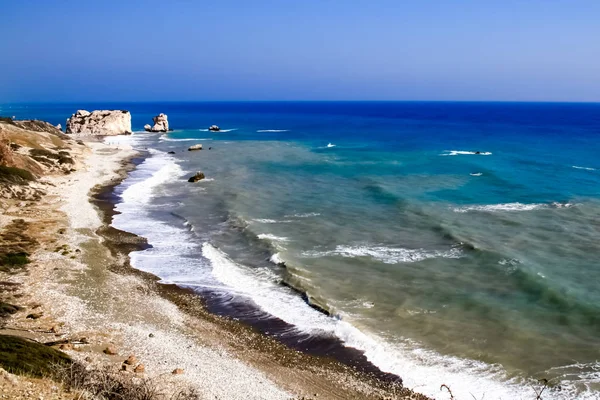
[(329, 145), (270, 221), (462, 152), (511, 207), (273, 130), (476, 174), (276, 259), (387, 255), (421, 369), (153, 172), (274, 238), (165, 138), (304, 215), (585, 168)]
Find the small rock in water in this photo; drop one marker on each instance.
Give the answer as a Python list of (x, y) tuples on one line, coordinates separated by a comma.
[(214, 128), (195, 147), (171, 152), (197, 177)]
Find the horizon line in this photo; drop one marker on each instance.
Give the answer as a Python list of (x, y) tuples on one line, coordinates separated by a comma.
[(305, 101)]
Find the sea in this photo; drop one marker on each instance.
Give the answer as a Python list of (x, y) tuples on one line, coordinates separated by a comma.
[(452, 243)]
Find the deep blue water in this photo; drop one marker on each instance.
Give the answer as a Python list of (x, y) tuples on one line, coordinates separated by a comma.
[(454, 240)]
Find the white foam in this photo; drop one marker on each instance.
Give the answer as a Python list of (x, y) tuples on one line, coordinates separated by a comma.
[(270, 221), (388, 255), (585, 168), (476, 174), (153, 172), (329, 145), (501, 207), (274, 238), (272, 130), (422, 370), (462, 152), (304, 215), (276, 259)]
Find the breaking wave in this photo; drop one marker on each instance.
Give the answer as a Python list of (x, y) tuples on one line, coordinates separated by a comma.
[(387, 255)]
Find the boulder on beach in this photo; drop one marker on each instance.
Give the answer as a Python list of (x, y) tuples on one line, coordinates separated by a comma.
[(197, 177), (100, 122), (214, 128), (195, 147), (161, 124)]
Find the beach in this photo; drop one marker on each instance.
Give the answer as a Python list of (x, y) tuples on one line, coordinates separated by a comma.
[(81, 282)]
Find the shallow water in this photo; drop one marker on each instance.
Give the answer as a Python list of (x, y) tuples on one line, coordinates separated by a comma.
[(454, 243)]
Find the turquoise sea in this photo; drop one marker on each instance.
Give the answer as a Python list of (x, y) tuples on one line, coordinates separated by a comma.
[(454, 243)]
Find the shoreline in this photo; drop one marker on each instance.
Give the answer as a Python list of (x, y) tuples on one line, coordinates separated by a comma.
[(81, 282), (237, 317)]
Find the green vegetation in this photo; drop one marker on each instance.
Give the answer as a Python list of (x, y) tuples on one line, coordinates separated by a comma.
[(7, 309), (10, 261), (15, 175), (44, 153), (21, 356)]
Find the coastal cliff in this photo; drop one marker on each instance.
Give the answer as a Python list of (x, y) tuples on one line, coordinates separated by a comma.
[(100, 122)]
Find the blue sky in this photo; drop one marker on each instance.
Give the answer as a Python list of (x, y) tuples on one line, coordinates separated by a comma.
[(63, 50)]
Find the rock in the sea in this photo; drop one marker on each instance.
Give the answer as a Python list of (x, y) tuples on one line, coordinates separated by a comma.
[(161, 124), (195, 147), (171, 152), (100, 122), (214, 128), (197, 177)]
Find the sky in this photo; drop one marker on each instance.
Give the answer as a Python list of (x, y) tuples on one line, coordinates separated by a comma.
[(134, 50)]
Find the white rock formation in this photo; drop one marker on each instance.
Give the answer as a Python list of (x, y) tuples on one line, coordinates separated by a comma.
[(100, 122), (161, 124), (195, 147)]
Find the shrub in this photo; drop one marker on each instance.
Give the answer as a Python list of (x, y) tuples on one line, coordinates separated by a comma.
[(44, 153), (106, 383), (15, 175), (5, 150), (22, 356), (8, 309)]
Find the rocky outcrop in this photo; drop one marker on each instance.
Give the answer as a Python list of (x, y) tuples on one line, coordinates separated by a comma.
[(100, 122), (161, 124), (197, 177), (214, 128), (195, 147)]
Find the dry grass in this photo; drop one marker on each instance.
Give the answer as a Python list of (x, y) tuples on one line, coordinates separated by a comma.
[(107, 384), (6, 157)]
